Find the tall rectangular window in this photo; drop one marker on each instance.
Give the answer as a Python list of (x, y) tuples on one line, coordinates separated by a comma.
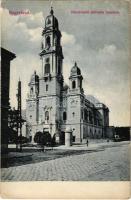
[(47, 68), (46, 87)]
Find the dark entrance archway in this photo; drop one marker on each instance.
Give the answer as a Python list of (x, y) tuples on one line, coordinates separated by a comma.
[(62, 138)]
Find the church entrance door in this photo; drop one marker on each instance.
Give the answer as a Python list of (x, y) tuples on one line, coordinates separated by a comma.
[(62, 138)]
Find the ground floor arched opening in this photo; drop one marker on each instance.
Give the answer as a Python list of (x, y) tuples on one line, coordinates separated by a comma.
[(62, 138)]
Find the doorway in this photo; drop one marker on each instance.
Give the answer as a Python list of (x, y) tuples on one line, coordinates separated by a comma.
[(62, 138)]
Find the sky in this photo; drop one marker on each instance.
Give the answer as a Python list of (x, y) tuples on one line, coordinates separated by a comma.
[(99, 43)]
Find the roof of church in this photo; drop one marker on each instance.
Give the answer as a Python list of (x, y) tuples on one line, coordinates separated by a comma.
[(92, 99), (96, 102)]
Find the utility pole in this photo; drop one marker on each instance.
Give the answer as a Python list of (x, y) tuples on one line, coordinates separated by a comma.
[(19, 124), (17, 129)]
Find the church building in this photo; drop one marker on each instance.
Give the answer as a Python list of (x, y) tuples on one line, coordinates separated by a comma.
[(53, 106)]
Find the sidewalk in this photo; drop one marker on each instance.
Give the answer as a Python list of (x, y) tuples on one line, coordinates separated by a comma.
[(92, 145)]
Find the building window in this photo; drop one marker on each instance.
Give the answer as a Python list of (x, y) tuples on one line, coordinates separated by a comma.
[(48, 41), (47, 65), (31, 90), (73, 84), (73, 114), (47, 60), (59, 67), (46, 87), (48, 21), (90, 117), (46, 115), (47, 68), (82, 114), (74, 138), (85, 115), (64, 116)]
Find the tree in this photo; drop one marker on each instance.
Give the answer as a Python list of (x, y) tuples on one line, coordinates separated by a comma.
[(37, 137), (43, 139), (12, 135)]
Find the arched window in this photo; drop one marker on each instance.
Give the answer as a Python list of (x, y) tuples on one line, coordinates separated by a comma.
[(47, 65), (85, 115), (73, 84), (46, 115), (55, 40), (46, 87), (31, 90), (73, 114), (90, 117), (47, 68), (48, 21), (81, 114), (64, 116), (59, 67), (48, 41)]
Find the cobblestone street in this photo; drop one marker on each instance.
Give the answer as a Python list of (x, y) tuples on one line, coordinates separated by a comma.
[(106, 163)]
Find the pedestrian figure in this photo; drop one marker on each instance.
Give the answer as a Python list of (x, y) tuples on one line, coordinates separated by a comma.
[(87, 142)]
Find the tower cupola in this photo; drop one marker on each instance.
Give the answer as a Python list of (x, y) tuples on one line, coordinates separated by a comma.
[(75, 70), (75, 79), (34, 78), (51, 21), (34, 85)]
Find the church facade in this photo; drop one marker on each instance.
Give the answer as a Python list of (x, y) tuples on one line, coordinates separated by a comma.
[(53, 106)]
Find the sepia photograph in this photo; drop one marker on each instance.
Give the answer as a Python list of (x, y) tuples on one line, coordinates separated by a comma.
[(65, 81)]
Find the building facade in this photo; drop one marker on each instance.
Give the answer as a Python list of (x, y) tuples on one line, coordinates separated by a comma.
[(6, 58), (52, 106)]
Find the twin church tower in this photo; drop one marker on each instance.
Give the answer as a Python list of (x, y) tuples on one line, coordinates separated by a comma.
[(53, 106)]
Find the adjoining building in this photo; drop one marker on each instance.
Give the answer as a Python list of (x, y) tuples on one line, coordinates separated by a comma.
[(52, 106), (6, 58)]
